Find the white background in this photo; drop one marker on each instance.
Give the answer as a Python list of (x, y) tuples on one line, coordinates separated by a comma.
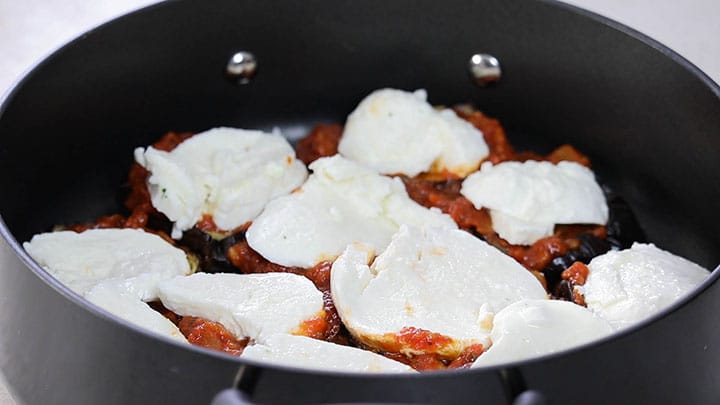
[(30, 29)]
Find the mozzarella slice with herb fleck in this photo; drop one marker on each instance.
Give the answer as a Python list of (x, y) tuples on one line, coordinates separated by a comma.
[(398, 132), (126, 305), (527, 199), (133, 257), (628, 286), (341, 203), (532, 328), (305, 352), (248, 305), (227, 173), (441, 281)]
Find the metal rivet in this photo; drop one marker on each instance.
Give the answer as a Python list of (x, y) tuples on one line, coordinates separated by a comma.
[(241, 67), (484, 69)]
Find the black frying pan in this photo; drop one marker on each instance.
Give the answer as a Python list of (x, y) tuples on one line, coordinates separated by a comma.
[(649, 120)]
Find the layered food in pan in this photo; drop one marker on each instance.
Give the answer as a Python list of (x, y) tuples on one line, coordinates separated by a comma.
[(411, 238)]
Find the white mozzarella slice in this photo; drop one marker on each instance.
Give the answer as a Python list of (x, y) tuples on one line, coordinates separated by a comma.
[(532, 328), (248, 305), (444, 281), (227, 173), (398, 132), (517, 231), (305, 352), (628, 286), (126, 305), (341, 203), (387, 131), (529, 198), (463, 148), (135, 258)]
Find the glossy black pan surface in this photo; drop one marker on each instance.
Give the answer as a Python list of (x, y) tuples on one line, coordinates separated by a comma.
[(648, 120)]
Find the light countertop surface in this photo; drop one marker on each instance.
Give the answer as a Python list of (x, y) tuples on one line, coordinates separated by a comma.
[(31, 29)]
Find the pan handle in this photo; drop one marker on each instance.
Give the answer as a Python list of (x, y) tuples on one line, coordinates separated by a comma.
[(517, 391), (248, 376), (231, 396), (530, 397), (243, 387)]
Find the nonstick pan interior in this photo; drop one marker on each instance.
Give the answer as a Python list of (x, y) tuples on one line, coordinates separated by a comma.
[(649, 121)]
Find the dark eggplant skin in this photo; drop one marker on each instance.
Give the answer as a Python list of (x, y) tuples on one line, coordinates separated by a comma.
[(648, 120), (211, 252), (623, 229), (590, 247)]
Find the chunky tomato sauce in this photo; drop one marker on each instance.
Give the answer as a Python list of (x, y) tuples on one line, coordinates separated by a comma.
[(211, 335), (577, 274), (204, 333), (137, 220), (445, 195), (322, 141), (574, 276), (429, 362), (467, 357), (207, 225), (417, 340), (493, 132), (315, 327), (500, 148), (538, 255), (159, 307), (111, 221)]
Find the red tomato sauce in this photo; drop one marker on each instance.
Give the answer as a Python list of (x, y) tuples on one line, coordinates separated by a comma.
[(315, 327), (207, 225), (322, 141), (211, 335), (202, 332), (577, 273), (429, 362), (467, 357), (416, 339)]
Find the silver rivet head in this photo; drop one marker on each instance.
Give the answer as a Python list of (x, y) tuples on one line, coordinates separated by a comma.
[(484, 69), (241, 67)]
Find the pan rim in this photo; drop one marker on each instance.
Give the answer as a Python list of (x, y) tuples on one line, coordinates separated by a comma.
[(17, 249)]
